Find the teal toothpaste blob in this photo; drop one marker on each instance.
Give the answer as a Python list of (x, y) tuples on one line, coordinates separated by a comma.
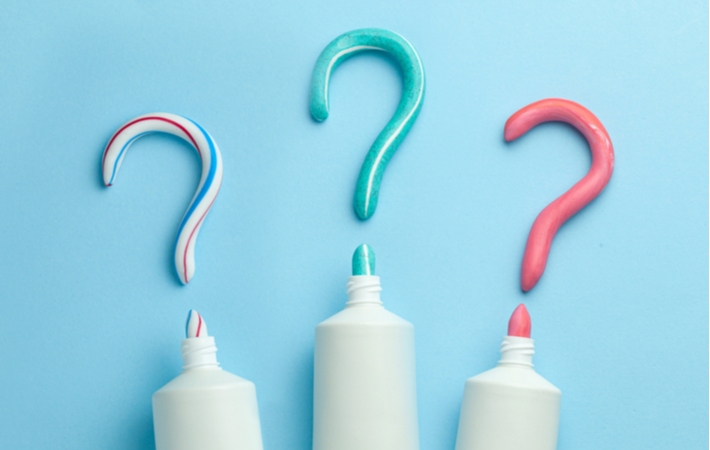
[(363, 261), (205, 407), (364, 375)]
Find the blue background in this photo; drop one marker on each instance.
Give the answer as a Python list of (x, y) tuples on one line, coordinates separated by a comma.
[(93, 311)]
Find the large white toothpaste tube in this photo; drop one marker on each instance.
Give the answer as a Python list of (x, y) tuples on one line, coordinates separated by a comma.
[(205, 407), (364, 379)]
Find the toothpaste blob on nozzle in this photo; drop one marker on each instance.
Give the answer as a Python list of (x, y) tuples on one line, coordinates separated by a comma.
[(364, 377), (205, 407), (195, 326), (510, 407)]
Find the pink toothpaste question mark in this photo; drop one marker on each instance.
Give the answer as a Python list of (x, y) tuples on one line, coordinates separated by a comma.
[(584, 191), (207, 190)]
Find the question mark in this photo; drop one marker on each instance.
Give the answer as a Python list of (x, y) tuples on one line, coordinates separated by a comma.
[(207, 189), (343, 47), (584, 191)]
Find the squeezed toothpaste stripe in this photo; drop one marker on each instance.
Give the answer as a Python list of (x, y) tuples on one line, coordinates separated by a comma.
[(187, 323), (189, 239), (203, 192), (213, 174), (199, 325), (120, 155), (143, 119)]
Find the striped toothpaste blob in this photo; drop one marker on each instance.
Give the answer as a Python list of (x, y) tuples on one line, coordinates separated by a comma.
[(195, 326), (207, 190)]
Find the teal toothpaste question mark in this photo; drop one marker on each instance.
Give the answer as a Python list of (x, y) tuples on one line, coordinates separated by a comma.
[(389, 139)]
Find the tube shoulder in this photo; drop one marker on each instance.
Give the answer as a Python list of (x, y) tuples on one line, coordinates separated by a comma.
[(511, 376), (358, 315), (204, 378)]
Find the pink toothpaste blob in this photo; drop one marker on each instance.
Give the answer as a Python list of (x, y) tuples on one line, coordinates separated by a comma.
[(584, 191), (510, 406), (520, 324), (207, 189)]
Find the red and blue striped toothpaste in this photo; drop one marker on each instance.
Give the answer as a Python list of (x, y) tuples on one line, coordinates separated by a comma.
[(207, 190)]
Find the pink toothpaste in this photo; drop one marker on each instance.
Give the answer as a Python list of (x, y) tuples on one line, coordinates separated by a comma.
[(584, 191), (207, 190)]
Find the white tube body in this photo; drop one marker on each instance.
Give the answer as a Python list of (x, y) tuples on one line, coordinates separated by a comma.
[(364, 379), (206, 407), (510, 407)]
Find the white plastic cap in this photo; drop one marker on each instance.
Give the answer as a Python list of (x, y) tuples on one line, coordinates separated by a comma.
[(364, 289), (517, 350), (199, 352)]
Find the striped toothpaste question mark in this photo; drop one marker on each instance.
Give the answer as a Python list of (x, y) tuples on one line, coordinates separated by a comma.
[(207, 190)]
